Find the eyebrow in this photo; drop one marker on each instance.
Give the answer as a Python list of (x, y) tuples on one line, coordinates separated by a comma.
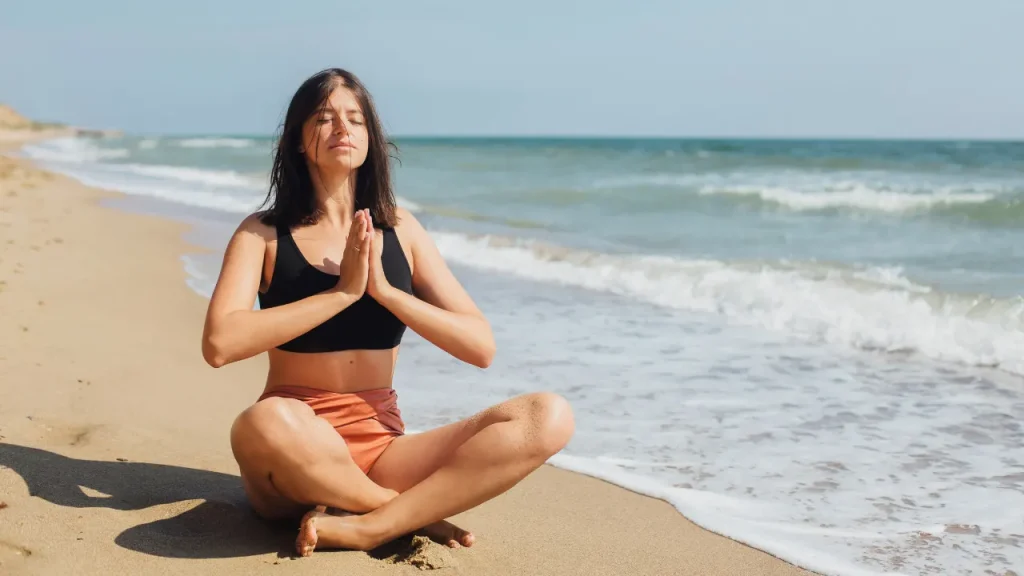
[(329, 110)]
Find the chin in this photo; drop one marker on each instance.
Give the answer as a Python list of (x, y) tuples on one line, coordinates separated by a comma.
[(342, 159)]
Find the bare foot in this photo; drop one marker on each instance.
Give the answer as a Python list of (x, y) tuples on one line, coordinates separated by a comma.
[(337, 530), (307, 539), (444, 532)]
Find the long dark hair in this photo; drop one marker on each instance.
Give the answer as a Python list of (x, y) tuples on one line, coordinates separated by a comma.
[(291, 196)]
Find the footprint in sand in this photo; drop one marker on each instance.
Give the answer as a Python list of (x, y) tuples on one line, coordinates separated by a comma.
[(80, 435), (70, 435), (11, 552)]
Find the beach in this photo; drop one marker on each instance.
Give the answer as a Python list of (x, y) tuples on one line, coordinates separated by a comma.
[(114, 453)]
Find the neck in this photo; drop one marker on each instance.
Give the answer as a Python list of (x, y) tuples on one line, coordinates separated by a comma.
[(336, 194)]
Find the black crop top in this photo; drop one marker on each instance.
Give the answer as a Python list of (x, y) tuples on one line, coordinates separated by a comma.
[(363, 325)]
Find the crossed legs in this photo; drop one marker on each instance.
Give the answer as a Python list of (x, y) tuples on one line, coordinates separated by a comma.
[(291, 461)]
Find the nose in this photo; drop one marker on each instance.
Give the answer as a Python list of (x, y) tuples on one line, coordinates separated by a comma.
[(340, 127)]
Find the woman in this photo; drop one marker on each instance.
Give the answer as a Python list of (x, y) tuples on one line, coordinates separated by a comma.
[(340, 272)]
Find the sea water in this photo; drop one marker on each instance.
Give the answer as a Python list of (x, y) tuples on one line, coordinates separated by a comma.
[(812, 347)]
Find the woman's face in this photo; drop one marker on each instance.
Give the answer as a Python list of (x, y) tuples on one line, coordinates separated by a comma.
[(335, 137)]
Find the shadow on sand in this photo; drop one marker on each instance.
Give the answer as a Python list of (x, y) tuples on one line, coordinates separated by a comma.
[(222, 526)]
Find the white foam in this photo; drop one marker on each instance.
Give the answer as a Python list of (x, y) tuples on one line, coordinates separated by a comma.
[(198, 280), (890, 276), (853, 195), (215, 143), (191, 175), (72, 150), (812, 191), (671, 180), (874, 309), (237, 201), (744, 520)]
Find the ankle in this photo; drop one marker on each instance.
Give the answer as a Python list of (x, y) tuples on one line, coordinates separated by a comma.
[(374, 530)]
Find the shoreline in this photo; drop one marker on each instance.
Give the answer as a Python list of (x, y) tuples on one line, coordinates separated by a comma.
[(119, 452)]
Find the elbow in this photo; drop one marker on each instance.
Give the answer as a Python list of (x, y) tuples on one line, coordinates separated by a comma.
[(214, 353), (215, 361), (483, 357)]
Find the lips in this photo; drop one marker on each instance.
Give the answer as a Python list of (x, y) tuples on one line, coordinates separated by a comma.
[(340, 145)]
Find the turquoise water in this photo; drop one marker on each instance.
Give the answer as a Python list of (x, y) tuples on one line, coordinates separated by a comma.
[(813, 347)]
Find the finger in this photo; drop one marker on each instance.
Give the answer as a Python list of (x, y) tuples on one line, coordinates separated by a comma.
[(362, 227), (353, 229), (367, 240), (354, 242)]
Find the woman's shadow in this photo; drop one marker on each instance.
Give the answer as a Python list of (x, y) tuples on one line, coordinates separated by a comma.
[(221, 526)]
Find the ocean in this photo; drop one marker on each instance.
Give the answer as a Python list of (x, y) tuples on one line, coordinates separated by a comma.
[(812, 347)]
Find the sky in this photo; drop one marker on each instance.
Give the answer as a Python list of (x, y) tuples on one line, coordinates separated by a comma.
[(717, 68)]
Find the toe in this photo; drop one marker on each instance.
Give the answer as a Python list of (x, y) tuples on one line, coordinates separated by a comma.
[(305, 543)]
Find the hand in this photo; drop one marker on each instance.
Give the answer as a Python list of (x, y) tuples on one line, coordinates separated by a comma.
[(355, 262), (377, 284)]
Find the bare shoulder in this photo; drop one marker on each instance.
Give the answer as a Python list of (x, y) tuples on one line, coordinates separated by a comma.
[(242, 268), (253, 225), (249, 240)]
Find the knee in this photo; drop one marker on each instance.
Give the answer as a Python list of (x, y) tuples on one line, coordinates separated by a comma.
[(551, 422), (267, 424)]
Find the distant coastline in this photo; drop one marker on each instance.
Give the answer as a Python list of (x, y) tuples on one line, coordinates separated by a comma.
[(13, 124)]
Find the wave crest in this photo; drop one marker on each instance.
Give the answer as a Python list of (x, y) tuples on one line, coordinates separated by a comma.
[(870, 309)]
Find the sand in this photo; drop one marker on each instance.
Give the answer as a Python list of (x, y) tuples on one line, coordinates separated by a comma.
[(114, 454)]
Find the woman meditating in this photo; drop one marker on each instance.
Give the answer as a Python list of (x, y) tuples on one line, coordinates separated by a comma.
[(340, 272)]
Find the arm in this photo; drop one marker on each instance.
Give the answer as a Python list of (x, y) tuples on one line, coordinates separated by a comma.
[(442, 312), (233, 330)]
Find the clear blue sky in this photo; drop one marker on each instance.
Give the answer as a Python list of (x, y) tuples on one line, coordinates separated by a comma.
[(860, 68)]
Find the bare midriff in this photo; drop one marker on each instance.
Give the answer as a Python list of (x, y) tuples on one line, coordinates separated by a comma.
[(342, 372)]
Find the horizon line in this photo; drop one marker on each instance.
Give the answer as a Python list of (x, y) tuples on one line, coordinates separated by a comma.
[(598, 136)]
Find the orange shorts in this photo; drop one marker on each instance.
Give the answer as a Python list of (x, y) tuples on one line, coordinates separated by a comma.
[(367, 421)]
